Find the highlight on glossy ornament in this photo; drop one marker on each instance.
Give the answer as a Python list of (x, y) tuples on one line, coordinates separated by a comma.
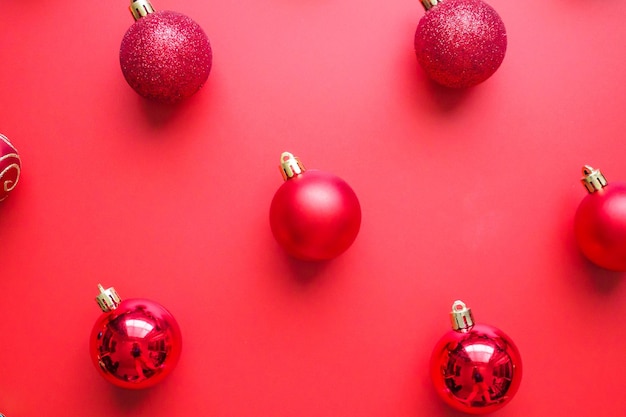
[(460, 43), (10, 167), (600, 221), (165, 56), (314, 215), (475, 368), (135, 343)]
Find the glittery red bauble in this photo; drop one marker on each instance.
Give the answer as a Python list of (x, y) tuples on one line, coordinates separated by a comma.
[(477, 369), (165, 56), (315, 215), (135, 345), (600, 227), (10, 167), (460, 43)]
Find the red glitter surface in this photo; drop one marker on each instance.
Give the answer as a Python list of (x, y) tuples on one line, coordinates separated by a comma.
[(165, 56), (460, 43)]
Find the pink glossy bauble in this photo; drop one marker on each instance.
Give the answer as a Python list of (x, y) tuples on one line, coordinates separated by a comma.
[(477, 369), (600, 227), (315, 215), (135, 345), (165, 56), (10, 167), (460, 43)]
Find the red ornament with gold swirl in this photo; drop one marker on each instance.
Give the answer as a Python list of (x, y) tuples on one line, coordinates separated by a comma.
[(10, 167)]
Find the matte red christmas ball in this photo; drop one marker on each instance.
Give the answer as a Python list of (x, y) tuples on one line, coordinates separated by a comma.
[(460, 43), (135, 343), (314, 215), (10, 167), (475, 368), (165, 56), (600, 221)]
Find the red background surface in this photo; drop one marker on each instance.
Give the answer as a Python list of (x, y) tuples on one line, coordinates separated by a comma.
[(465, 195)]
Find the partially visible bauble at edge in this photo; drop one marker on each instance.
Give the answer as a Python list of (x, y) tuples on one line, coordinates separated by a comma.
[(166, 56), (600, 221), (460, 43), (10, 167)]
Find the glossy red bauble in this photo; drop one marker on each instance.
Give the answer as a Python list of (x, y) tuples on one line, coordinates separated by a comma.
[(475, 368), (10, 167), (165, 56), (314, 215), (460, 43), (135, 343), (600, 222)]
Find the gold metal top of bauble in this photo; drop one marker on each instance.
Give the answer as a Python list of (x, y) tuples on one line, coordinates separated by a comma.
[(593, 179), (461, 316), (290, 166), (140, 8), (429, 4), (108, 299)]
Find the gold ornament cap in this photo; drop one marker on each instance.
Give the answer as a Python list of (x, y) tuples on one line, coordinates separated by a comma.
[(290, 166), (108, 299), (593, 180), (429, 4), (140, 8), (461, 316)]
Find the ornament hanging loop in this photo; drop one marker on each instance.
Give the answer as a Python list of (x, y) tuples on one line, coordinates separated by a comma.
[(593, 180), (140, 8), (290, 166), (108, 299), (461, 316)]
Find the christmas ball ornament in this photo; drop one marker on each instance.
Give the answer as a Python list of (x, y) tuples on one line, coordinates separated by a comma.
[(475, 368), (10, 167), (165, 56), (460, 43), (600, 221), (314, 215), (135, 343)]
